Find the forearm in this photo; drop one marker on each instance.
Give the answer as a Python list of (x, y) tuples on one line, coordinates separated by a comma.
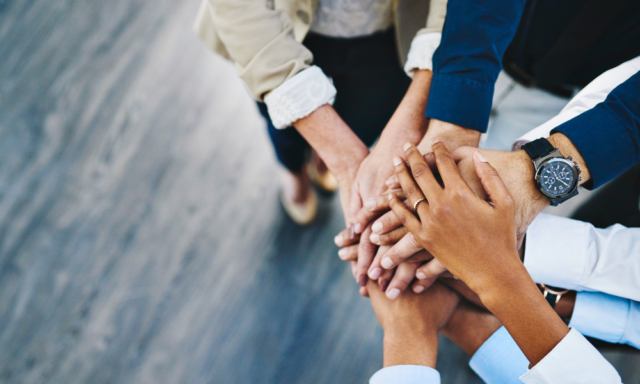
[(408, 123), (469, 327), (515, 300), (334, 141)]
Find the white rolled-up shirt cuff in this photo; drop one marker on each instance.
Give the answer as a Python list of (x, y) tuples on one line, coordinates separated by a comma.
[(574, 360), (297, 97), (421, 52)]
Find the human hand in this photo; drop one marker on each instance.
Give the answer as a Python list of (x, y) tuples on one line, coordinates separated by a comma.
[(454, 222), (476, 240), (453, 136), (411, 323)]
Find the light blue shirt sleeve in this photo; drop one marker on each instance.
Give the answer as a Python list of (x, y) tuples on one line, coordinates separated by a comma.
[(499, 360), (606, 317), (406, 374)]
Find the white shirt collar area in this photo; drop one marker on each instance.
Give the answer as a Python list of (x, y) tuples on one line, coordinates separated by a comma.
[(573, 360), (599, 315), (406, 374), (499, 359)]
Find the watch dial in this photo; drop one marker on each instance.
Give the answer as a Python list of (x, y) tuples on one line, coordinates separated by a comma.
[(557, 178)]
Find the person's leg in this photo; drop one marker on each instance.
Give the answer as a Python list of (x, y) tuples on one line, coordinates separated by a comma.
[(291, 149)]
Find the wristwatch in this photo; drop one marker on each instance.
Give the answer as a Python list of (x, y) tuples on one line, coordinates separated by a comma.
[(556, 177), (552, 294)]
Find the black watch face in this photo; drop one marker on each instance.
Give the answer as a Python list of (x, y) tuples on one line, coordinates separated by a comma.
[(557, 178)]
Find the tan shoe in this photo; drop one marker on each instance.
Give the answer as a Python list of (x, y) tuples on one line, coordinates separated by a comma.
[(301, 213), (325, 181)]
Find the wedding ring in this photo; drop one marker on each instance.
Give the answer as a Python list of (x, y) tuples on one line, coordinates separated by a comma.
[(415, 205)]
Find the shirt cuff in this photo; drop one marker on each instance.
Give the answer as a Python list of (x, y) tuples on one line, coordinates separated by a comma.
[(632, 330), (421, 52), (604, 143), (557, 261), (599, 315), (406, 374), (573, 360), (499, 360), (297, 97), (460, 101)]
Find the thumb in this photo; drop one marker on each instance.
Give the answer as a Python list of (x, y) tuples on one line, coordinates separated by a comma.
[(355, 204), (491, 181)]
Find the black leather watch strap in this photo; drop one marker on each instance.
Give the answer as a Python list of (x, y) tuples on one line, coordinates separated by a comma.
[(538, 148)]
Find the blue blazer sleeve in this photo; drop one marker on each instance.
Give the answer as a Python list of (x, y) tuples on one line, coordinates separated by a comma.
[(608, 135), (466, 65)]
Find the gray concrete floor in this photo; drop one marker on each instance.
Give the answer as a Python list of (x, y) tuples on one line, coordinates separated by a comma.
[(141, 239)]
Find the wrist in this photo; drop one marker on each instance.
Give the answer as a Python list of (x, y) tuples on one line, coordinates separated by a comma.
[(452, 135), (567, 149), (333, 140), (505, 276), (415, 348)]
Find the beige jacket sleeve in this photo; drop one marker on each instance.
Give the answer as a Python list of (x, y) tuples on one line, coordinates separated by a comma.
[(260, 41)]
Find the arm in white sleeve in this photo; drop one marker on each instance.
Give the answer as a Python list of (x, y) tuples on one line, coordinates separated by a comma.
[(406, 374), (606, 317), (572, 360), (575, 255), (421, 52)]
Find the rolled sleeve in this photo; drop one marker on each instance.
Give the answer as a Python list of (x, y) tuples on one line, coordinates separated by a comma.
[(299, 96), (421, 52), (632, 329), (406, 374), (599, 315), (461, 101), (572, 360), (499, 360)]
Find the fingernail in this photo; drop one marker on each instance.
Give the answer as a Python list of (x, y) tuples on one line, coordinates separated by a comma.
[(389, 182), (352, 232), (397, 161), (383, 285), (375, 238), (393, 294), (375, 273), (480, 157), (421, 276), (386, 263), (376, 227), (390, 196), (370, 204), (435, 141), (338, 239), (358, 228), (342, 253), (362, 280), (406, 146), (418, 288)]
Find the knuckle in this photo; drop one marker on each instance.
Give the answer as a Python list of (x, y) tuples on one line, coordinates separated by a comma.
[(490, 171), (444, 157), (412, 241), (410, 190), (418, 170)]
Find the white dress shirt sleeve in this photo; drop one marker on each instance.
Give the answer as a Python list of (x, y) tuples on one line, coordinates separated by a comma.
[(406, 374), (575, 255), (499, 360), (297, 97), (609, 318), (421, 52), (573, 360)]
